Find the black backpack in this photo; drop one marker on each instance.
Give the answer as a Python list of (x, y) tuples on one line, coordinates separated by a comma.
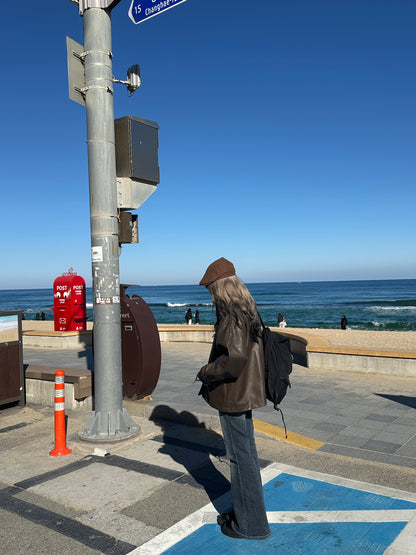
[(278, 360)]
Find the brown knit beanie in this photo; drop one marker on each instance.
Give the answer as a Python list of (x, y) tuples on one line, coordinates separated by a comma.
[(219, 269)]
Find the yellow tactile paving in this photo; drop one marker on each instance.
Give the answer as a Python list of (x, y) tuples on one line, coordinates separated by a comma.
[(279, 433)]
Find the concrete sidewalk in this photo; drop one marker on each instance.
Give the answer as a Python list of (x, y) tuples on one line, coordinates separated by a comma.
[(161, 490), (366, 416)]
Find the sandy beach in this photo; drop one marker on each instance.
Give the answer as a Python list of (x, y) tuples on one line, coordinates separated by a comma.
[(379, 340)]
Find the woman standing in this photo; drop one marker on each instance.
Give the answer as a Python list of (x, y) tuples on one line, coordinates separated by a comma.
[(233, 383), (188, 316)]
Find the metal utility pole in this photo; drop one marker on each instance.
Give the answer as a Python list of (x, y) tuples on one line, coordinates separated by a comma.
[(109, 421)]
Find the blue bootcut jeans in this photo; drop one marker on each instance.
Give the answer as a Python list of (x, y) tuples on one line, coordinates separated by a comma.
[(246, 487)]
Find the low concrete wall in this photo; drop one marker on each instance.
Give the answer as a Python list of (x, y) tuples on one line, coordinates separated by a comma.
[(310, 350), (83, 339), (41, 392), (194, 334), (370, 363), (316, 353), (40, 386), (57, 339), (205, 334)]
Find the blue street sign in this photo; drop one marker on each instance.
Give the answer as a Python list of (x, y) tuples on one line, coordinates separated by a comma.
[(140, 10)]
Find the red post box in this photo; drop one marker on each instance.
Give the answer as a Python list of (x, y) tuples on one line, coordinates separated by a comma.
[(69, 302)]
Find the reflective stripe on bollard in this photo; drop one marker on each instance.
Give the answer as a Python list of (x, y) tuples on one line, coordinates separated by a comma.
[(60, 439)]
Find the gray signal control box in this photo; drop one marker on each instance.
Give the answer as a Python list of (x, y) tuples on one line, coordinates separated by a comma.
[(137, 149)]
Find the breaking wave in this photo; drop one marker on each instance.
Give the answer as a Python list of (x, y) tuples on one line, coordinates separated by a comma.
[(174, 305), (390, 308)]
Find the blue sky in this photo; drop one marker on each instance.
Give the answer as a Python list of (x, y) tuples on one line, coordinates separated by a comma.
[(287, 141)]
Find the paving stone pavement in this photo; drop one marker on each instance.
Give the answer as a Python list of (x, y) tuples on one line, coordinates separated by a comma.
[(358, 415), (161, 490)]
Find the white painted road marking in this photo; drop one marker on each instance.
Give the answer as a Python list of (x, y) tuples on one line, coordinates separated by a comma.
[(346, 517)]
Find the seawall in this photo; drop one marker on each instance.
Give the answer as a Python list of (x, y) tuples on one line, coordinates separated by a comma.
[(392, 353)]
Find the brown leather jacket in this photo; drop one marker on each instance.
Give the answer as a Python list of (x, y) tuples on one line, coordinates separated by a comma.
[(233, 379)]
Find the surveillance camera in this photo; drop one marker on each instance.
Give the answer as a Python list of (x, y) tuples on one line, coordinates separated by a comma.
[(133, 78)]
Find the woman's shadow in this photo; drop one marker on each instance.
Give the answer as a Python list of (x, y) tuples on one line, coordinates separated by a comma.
[(194, 455)]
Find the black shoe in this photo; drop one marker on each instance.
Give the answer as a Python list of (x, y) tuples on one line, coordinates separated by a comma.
[(228, 530), (225, 517)]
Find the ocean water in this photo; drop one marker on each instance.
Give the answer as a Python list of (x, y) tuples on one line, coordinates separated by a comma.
[(368, 305), (8, 323)]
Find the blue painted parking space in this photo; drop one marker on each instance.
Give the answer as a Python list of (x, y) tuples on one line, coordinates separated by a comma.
[(288, 492), (308, 513), (318, 538)]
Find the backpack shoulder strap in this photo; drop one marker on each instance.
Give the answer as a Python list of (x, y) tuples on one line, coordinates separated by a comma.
[(261, 319)]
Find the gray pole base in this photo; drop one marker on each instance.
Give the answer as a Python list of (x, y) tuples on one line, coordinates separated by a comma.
[(119, 426)]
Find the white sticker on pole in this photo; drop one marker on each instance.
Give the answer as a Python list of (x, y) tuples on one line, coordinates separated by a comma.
[(97, 254)]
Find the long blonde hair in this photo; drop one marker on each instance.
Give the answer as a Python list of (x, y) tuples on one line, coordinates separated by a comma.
[(232, 299)]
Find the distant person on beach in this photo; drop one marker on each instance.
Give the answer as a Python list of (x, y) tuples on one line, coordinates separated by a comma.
[(281, 321), (42, 316), (196, 316), (188, 316), (233, 383), (37, 317), (344, 322)]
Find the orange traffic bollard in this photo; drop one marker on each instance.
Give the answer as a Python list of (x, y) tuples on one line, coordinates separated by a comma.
[(60, 440)]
